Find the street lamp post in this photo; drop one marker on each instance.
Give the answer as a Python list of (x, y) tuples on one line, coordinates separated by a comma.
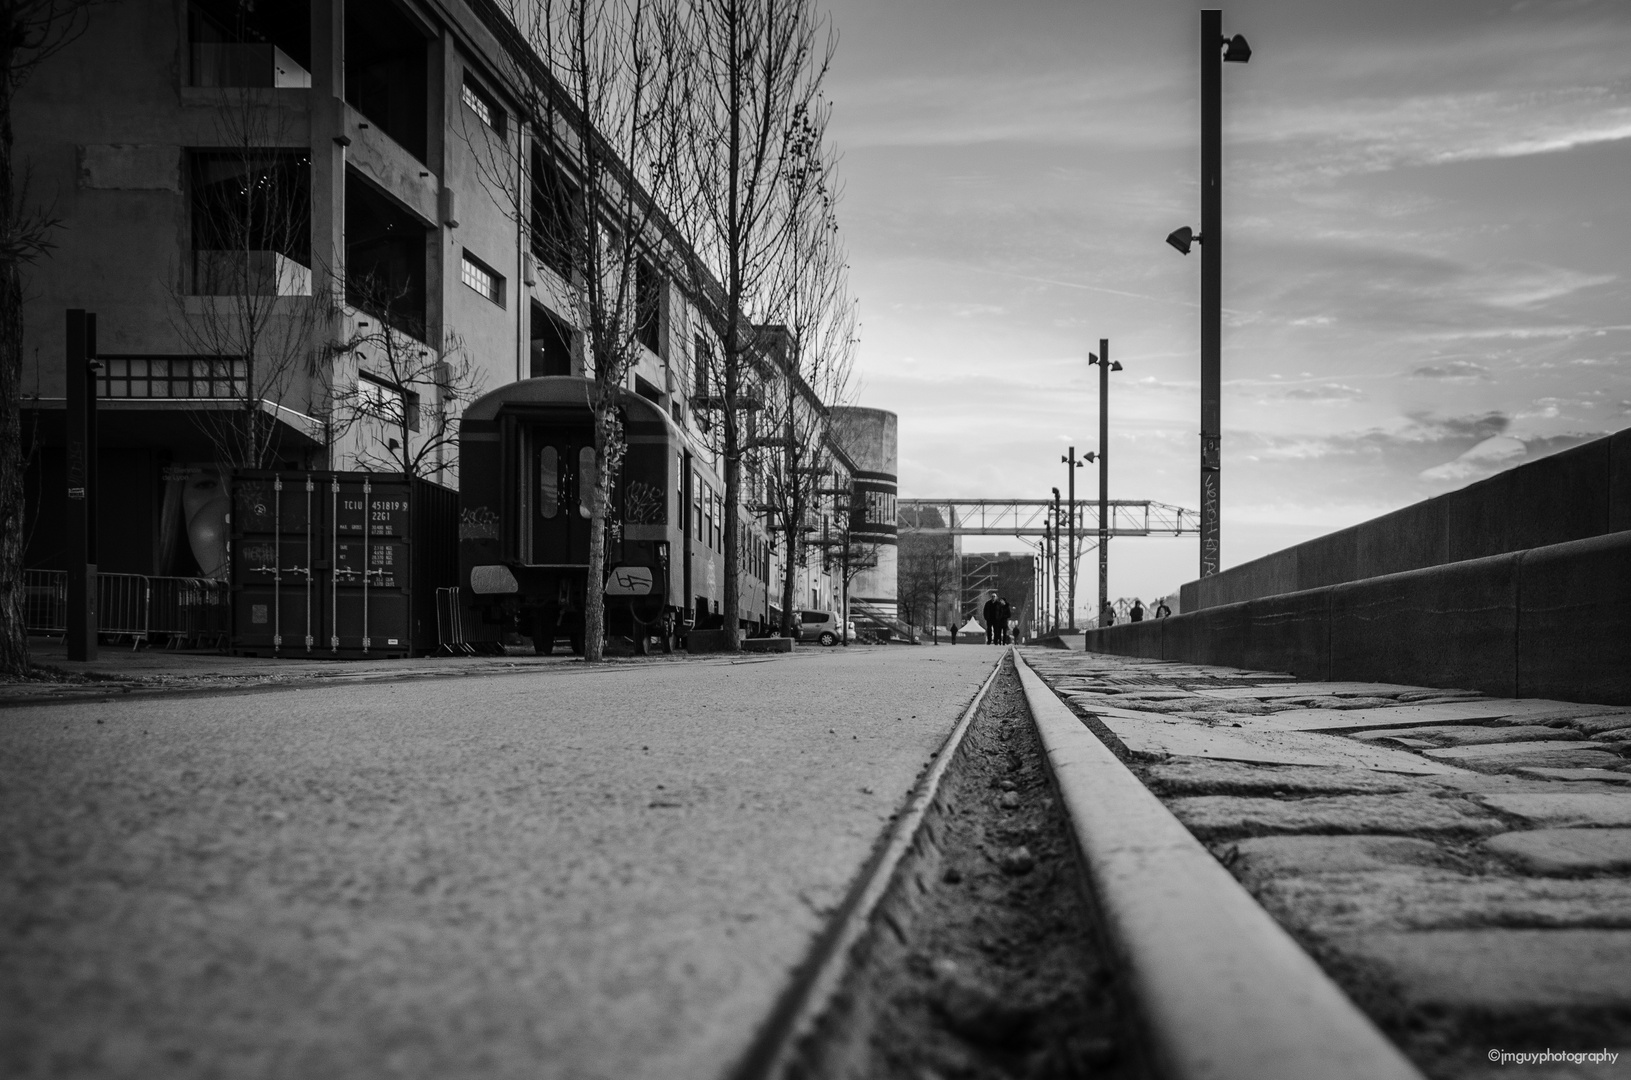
[(1070, 572), (1056, 559), (1215, 49), (1105, 368)]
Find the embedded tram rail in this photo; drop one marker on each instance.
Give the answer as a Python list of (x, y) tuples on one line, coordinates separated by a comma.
[(1182, 871)]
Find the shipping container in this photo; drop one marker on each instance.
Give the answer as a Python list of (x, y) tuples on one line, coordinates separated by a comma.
[(339, 564)]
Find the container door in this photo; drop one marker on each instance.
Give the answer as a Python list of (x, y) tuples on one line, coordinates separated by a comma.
[(274, 553)]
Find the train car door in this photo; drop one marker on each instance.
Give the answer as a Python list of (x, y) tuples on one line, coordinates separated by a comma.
[(686, 494), (563, 469)]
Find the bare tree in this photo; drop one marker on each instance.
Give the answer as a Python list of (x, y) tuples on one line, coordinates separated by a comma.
[(382, 379), (246, 306), (928, 577), (817, 353), (757, 119), (31, 31), (600, 89)]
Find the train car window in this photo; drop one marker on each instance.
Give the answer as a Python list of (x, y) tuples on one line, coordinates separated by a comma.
[(709, 501), (586, 480), (696, 506), (549, 481)]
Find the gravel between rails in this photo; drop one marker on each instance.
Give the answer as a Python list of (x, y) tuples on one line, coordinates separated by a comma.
[(981, 961)]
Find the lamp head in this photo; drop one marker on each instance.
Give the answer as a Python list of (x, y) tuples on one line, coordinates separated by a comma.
[(1235, 49), (1181, 238), (1055, 494), (1090, 456), (1115, 365)]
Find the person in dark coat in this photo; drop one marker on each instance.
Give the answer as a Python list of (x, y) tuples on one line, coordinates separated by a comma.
[(1001, 612), (1162, 611), (989, 611), (1137, 613)]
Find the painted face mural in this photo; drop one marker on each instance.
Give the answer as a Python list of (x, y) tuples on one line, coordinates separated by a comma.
[(204, 506)]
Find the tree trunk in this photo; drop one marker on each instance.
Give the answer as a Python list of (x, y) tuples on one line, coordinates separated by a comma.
[(594, 596), (789, 575), (13, 630)]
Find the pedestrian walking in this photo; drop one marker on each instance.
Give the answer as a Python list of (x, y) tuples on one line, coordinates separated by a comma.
[(1137, 613), (1002, 611), (1161, 610), (990, 613), (1107, 617)]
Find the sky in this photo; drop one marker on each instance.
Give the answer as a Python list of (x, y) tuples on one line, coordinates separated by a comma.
[(1427, 249)]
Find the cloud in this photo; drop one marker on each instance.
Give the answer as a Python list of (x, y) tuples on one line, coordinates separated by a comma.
[(1325, 394), (1455, 370)]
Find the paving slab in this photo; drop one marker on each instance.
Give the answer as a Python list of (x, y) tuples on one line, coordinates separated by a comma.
[(1159, 735), (1389, 716), (1595, 725), (1436, 897), (1565, 851), (1469, 735), (1502, 971), (1503, 756), (577, 872), (1310, 689), (1541, 772), (1598, 809), (1201, 776), (1272, 856), (1216, 817)]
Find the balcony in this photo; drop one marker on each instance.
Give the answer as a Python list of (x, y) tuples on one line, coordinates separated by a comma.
[(229, 64), (249, 273)]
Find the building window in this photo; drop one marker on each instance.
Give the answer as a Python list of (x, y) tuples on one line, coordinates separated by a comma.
[(387, 402), (648, 306), (251, 222), (554, 214), (172, 377), (484, 105), (702, 360), (387, 62), (385, 257), (482, 278), (237, 44), (551, 344)]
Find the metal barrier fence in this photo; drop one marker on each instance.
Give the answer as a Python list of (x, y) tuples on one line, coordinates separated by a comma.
[(185, 612)]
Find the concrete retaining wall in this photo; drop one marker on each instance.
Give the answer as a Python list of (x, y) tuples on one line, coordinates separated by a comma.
[(1580, 493), (1552, 621)]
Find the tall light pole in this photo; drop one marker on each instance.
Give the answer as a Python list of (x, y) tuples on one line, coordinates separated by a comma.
[(1105, 368), (1073, 463), (1056, 558), (1215, 48)]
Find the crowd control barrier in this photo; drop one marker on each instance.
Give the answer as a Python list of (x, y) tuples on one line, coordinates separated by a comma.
[(142, 609)]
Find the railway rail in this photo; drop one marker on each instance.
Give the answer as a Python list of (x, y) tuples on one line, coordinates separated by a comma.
[(1284, 879)]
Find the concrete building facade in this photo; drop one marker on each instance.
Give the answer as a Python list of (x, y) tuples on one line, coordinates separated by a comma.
[(388, 179)]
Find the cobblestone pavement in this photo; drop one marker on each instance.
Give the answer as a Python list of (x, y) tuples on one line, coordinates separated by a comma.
[(1461, 865), (565, 871)]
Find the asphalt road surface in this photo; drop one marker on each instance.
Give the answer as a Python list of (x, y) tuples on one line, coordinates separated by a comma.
[(567, 872)]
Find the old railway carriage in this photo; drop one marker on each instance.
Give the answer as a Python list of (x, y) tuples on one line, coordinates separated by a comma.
[(527, 466)]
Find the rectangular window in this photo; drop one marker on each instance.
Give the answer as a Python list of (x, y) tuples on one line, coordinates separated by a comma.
[(696, 506), (482, 278), (554, 214), (648, 306), (701, 361), (387, 72), (385, 253), (237, 44), (251, 222), (484, 105), (172, 377)]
